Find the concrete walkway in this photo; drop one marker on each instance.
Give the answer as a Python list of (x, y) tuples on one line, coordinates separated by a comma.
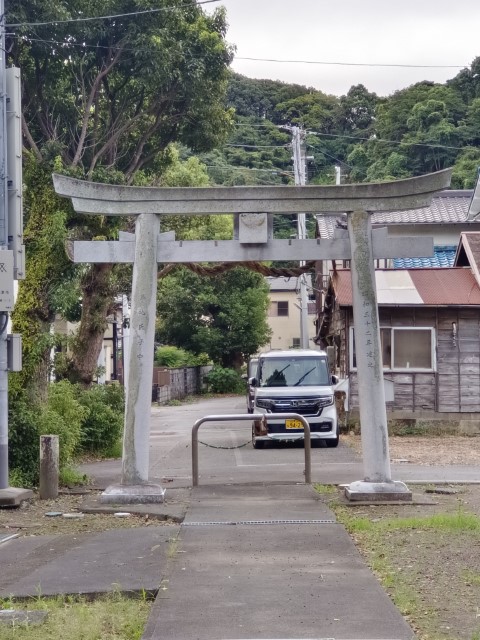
[(269, 561), (256, 561)]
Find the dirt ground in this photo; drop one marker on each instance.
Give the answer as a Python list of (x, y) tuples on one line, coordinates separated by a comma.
[(427, 450), (436, 573), (63, 515)]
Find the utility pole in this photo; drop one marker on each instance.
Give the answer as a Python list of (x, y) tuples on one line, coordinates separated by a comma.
[(299, 167), (12, 254), (338, 175), (3, 248)]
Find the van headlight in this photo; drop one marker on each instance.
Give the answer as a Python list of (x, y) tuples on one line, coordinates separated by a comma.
[(263, 403), (325, 401)]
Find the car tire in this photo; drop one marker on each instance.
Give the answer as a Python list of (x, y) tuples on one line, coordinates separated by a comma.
[(258, 444), (333, 442)]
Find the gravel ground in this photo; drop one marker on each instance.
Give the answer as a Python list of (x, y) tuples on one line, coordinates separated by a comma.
[(426, 450)]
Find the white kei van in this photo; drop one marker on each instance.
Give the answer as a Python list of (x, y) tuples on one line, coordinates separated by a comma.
[(294, 381)]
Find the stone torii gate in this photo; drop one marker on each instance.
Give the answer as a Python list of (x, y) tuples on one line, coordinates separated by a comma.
[(253, 242)]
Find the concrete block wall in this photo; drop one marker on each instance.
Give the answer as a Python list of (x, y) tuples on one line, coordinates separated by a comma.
[(184, 381)]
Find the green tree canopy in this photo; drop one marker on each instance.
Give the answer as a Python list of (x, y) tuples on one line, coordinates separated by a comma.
[(115, 92), (224, 316), (103, 99)]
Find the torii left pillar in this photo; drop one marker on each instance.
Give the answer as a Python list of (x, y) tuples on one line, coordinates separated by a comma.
[(134, 486)]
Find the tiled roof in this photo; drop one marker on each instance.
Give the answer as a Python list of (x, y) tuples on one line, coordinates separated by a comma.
[(415, 287), (446, 207), (443, 257)]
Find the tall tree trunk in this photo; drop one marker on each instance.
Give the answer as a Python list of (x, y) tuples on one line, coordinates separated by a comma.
[(96, 305)]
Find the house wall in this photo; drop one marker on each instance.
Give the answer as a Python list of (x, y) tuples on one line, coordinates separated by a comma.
[(452, 389), (442, 234), (286, 328)]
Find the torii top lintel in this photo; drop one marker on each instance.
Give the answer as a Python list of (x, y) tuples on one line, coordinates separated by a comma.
[(104, 199)]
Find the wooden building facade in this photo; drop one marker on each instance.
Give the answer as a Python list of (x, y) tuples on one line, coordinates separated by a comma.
[(430, 337)]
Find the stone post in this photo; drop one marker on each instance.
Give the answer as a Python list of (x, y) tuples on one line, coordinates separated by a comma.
[(49, 466), (368, 350)]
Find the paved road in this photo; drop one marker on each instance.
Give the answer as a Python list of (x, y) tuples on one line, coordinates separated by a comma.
[(219, 463)]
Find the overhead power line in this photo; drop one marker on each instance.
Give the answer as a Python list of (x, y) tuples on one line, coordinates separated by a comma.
[(358, 64), (239, 168), (261, 146), (108, 17), (137, 49), (411, 144)]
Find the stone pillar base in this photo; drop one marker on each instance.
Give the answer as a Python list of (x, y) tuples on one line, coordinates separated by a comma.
[(133, 494), (13, 497), (362, 491)]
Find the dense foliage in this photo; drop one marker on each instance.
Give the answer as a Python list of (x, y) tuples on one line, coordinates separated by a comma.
[(423, 128), (85, 420), (103, 99), (221, 380), (224, 316), (174, 357)]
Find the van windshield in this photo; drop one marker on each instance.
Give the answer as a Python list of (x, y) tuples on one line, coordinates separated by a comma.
[(293, 372)]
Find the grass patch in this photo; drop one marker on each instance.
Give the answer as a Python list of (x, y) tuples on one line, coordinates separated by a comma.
[(112, 617), (403, 552), (325, 489), (471, 577), (68, 477)]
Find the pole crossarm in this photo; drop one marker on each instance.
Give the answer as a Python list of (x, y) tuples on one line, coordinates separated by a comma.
[(104, 199), (338, 248)]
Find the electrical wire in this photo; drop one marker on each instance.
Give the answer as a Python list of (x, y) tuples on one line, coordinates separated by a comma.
[(358, 64), (99, 46), (238, 168), (411, 144), (318, 62), (260, 146), (109, 17)]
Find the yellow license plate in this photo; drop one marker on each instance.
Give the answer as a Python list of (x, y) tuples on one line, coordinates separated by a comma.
[(293, 424)]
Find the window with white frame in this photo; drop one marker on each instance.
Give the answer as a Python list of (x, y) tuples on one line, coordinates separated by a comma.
[(403, 348)]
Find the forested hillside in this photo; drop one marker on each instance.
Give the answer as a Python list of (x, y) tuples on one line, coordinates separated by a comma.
[(423, 128)]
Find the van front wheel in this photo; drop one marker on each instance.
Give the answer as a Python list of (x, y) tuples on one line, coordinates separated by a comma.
[(333, 442), (257, 444)]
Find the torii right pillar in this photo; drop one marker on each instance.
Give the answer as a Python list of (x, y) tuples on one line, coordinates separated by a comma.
[(377, 484)]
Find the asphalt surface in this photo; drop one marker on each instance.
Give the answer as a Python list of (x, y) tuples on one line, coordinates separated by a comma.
[(257, 556)]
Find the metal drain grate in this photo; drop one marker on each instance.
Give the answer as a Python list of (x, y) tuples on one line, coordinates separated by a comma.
[(256, 522)]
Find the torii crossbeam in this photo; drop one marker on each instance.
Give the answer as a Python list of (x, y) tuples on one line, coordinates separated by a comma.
[(255, 242)]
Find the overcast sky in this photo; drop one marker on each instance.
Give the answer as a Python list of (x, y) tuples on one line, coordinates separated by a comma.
[(411, 32)]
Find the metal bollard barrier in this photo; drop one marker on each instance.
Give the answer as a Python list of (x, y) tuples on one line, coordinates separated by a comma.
[(251, 417)]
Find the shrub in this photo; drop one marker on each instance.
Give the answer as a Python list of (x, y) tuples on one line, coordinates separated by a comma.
[(63, 416), (103, 425), (23, 443), (174, 357), (222, 380)]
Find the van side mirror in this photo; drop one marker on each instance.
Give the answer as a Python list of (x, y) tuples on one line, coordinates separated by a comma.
[(335, 379), (252, 382)]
